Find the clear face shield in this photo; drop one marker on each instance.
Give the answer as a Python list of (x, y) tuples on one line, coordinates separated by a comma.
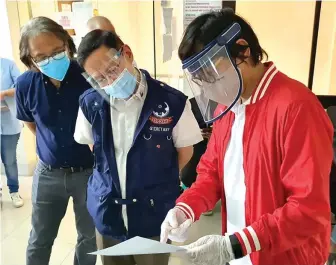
[(110, 76), (213, 77)]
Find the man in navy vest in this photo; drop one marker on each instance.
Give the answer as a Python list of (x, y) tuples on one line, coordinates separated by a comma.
[(143, 133)]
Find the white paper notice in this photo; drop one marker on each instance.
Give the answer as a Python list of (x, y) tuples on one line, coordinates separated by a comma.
[(194, 8), (66, 7), (65, 19), (138, 246), (82, 11)]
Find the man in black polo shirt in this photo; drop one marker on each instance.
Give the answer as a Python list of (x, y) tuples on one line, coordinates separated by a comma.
[(47, 101)]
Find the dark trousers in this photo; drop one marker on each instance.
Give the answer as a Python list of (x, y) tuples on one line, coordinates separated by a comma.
[(105, 242), (50, 196), (188, 173)]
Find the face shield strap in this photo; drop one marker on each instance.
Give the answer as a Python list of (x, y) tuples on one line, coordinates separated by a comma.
[(229, 35)]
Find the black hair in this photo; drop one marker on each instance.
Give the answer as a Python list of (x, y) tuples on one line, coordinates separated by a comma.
[(37, 26), (207, 27), (94, 40)]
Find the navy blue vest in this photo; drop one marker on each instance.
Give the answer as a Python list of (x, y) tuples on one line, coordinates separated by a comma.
[(152, 184)]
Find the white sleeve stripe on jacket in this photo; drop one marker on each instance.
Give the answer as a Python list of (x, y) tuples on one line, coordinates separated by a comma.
[(246, 242), (184, 210), (188, 208), (254, 237)]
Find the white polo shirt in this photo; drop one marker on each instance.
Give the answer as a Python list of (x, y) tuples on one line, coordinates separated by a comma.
[(124, 117)]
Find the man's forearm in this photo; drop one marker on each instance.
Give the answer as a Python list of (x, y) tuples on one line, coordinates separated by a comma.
[(182, 161), (184, 156), (9, 92), (31, 126)]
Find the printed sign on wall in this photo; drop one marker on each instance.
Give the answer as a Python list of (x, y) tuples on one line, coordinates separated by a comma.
[(194, 8), (65, 19)]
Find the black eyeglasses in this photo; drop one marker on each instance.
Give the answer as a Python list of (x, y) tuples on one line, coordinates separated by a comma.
[(45, 60)]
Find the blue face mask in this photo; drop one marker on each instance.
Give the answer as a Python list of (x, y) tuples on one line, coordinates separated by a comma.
[(123, 87), (56, 69)]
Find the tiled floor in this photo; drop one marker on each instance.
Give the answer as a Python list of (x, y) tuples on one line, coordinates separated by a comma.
[(15, 227)]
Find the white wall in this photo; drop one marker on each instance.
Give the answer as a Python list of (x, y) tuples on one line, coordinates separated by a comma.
[(5, 44)]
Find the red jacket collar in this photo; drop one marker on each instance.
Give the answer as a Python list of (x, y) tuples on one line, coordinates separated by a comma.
[(264, 83)]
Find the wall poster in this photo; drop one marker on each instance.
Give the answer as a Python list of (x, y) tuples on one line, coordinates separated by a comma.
[(194, 8)]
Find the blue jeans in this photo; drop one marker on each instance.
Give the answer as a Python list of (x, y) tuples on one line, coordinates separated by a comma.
[(51, 191), (8, 158)]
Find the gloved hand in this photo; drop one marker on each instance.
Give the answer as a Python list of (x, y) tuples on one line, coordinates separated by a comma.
[(210, 250), (175, 226)]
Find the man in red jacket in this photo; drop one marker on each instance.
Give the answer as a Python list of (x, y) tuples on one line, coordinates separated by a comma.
[(268, 158)]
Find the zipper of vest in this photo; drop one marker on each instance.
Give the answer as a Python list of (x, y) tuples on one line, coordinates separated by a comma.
[(151, 202)]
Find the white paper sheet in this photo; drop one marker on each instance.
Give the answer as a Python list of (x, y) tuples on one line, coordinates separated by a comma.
[(138, 246)]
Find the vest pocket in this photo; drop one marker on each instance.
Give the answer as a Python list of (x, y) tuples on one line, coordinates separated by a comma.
[(161, 148), (105, 214), (146, 216), (94, 203)]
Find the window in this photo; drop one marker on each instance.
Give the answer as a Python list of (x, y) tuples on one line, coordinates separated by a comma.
[(6, 43), (285, 31), (168, 34), (324, 82), (133, 21)]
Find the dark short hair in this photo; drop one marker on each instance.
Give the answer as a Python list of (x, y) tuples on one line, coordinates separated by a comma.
[(37, 26), (94, 40), (207, 27)]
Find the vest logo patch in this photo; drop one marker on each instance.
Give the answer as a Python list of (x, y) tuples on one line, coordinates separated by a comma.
[(162, 110), (160, 114), (160, 120)]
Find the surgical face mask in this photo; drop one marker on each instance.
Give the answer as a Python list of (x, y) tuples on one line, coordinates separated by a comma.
[(56, 68), (123, 87)]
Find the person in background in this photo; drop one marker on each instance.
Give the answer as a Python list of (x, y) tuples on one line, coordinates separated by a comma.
[(268, 158), (100, 22), (10, 128), (140, 128), (47, 102), (188, 173)]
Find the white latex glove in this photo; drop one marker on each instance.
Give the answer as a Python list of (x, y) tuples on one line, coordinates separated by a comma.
[(175, 226), (210, 250)]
